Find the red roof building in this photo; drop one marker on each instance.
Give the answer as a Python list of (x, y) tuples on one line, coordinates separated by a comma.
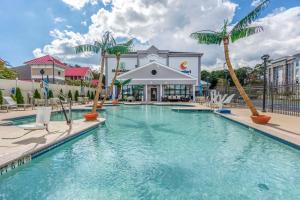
[(46, 60), (42, 67), (77, 73)]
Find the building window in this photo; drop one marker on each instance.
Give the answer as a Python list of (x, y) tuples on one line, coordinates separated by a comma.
[(137, 91), (178, 90), (58, 73)]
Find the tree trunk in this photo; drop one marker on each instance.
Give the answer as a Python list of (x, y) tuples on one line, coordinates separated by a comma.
[(108, 93), (236, 81), (119, 92), (99, 86)]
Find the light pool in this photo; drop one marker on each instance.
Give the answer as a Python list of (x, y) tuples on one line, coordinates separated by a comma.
[(152, 152)]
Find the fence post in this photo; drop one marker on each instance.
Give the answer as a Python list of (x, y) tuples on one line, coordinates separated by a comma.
[(272, 98)]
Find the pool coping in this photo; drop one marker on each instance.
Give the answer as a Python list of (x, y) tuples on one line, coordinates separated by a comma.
[(53, 111), (22, 158)]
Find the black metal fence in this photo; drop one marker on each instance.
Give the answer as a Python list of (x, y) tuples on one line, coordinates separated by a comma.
[(283, 99)]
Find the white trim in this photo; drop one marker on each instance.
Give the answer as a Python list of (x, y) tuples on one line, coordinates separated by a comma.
[(45, 76), (161, 79), (47, 67), (159, 64)]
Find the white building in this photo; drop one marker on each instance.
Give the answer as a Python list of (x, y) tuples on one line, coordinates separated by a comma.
[(157, 75), (284, 71)]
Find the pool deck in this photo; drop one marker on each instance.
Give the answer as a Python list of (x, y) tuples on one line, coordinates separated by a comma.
[(18, 145)]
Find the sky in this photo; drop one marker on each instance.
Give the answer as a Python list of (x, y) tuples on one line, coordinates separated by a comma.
[(38, 27)]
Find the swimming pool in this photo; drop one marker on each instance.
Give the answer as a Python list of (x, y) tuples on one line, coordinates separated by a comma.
[(152, 152)]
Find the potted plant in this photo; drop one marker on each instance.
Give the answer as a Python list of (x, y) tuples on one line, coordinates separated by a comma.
[(116, 50), (106, 42), (240, 30)]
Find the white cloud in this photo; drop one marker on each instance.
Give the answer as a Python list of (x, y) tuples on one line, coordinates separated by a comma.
[(168, 24), (59, 20), (281, 37), (84, 23), (106, 2), (256, 2), (78, 4)]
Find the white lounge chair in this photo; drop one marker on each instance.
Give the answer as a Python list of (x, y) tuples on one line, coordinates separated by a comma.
[(42, 120), (11, 104), (227, 101), (213, 97)]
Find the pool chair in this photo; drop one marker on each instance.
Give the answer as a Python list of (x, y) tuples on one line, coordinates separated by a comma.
[(42, 120), (9, 103), (213, 97), (218, 100), (226, 102)]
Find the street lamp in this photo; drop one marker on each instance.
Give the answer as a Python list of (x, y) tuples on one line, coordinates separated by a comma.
[(53, 79), (265, 58), (42, 72), (81, 88)]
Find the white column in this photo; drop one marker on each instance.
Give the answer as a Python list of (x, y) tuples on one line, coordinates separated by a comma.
[(146, 93), (114, 92), (161, 92), (194, 93)]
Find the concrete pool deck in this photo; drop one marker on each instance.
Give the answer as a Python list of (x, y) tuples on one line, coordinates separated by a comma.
[(17, 146)]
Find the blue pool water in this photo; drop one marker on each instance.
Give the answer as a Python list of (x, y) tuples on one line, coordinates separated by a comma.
[(152, 152)]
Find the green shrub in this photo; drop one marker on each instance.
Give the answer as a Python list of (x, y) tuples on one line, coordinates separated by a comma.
[(70, 95), (61, 95), (76, 95), (36, 94), (88, 94), (50, 94), (1, 98), (19, 96)]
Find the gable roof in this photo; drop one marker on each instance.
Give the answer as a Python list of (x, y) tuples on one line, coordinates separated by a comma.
[(45, 60), (178, 74), (77, 71)]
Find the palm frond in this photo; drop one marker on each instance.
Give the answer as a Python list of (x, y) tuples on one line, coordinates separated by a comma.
[(117, 83), (87, 48), (107, 40), (207, 37), (126, 82), (245, 32), (252, 16), (120, 48)]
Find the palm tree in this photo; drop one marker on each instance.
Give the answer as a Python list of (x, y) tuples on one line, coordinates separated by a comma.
[(116, 50), (240, 30), (102, 46), (120, 84)]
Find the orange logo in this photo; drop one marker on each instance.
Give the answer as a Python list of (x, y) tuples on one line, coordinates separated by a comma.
[(183, 66)]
